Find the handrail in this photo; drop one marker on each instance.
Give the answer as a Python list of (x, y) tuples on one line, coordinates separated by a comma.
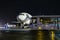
[(47, 16)]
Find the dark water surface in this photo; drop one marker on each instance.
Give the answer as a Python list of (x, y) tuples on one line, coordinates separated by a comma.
[(30, 35)]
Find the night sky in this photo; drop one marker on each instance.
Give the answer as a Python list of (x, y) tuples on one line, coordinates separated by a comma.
[(10, 9)]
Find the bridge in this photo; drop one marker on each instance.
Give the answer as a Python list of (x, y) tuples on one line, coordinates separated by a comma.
[(41, 22)]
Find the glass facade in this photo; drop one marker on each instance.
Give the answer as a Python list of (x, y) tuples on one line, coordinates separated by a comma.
[(47, 23)]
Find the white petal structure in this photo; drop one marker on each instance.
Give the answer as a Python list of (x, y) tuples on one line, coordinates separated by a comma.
[(24, 17)]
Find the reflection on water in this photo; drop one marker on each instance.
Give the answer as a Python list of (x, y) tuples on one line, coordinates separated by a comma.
[(43, 35), (16, 36), (32, 35), (52, 35)]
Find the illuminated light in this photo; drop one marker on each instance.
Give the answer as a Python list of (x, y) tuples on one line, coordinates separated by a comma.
[(25, 26), (41, 20), (34, 20), (52, 35), (39, 28)]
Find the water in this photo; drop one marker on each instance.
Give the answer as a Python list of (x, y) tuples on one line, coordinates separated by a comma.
[(31, 35)]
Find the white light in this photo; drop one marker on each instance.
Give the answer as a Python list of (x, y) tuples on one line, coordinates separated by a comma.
[(24, 17)]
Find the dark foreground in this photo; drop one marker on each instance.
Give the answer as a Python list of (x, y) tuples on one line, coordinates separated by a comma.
[(29, 35)]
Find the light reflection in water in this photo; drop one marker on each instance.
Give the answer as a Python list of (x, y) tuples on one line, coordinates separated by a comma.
[(39, 35), (34, 35), (45, 35), (52, 35)]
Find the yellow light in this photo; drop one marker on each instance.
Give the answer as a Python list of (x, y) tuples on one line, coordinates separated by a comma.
[(41, 20), (40, 35), (52, 35), (39, 28)]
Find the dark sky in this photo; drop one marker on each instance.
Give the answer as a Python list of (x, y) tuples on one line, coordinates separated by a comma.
[(10, 9)]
